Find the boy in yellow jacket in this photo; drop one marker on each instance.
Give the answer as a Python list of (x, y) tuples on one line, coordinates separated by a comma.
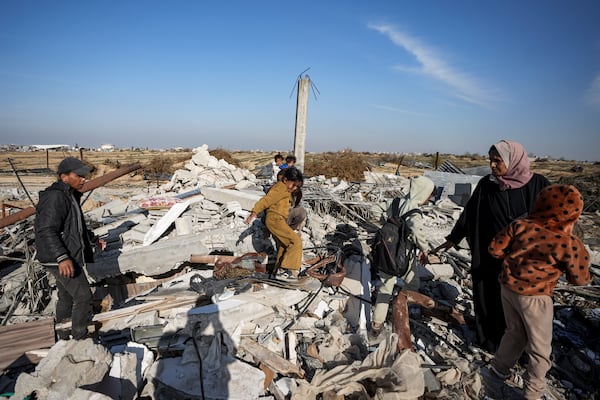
[(276, 203)]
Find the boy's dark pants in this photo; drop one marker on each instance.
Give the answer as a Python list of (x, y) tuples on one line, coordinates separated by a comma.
[(74, 301)]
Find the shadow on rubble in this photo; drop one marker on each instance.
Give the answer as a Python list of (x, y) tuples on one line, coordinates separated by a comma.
[(198, 365)]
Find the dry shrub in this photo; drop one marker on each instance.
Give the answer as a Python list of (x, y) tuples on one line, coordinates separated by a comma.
[(589, 187), (159, 165), (221, 154), (345, 164), (116, 164)]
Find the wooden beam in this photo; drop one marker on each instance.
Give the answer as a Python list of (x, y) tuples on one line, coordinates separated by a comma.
[(19, 339)]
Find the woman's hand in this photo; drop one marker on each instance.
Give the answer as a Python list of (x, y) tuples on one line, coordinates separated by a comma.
[(444, 246)]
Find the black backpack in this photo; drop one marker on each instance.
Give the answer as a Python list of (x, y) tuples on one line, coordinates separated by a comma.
[(390, 250)]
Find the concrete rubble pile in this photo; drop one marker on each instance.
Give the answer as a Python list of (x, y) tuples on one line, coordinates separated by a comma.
[(169, 330)]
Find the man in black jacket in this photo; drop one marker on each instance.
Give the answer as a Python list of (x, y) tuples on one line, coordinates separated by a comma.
[(63, 243)]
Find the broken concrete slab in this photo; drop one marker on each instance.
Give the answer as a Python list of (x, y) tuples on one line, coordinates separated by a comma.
[(108, 212), (130, 363), (174, 379), (86, 362), (242, 308), (156, 259), (449, 180), (163, 224), (245, 199)]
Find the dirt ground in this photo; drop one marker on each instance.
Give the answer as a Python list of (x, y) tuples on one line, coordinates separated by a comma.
[(36, 167), (35, 170)]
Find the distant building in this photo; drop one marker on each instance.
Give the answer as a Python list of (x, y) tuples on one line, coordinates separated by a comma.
[(41, 147), (107, 147)]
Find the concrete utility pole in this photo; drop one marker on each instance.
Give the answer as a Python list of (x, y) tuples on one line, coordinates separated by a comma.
[(301, 116)]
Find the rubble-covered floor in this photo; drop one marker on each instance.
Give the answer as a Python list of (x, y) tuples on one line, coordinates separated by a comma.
[(167, 329)]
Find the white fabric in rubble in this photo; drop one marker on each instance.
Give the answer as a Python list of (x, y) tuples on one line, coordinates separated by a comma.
[(397, 376)]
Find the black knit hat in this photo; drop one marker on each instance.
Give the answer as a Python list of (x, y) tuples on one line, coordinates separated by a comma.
[(72, 164)]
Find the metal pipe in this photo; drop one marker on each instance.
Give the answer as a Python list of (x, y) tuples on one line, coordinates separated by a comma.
[(111, 176), (400, 322)]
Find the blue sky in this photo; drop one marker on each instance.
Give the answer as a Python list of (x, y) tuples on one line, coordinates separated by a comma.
[(403, 76)]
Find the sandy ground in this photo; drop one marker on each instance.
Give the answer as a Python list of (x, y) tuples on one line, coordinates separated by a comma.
[(35, 170)]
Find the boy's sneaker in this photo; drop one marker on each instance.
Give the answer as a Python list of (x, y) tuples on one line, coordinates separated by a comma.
[(374, 334), (497, 386), (512, 379), (62, 334), (287, 274)]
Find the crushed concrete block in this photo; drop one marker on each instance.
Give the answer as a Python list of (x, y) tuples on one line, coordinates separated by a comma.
[(156, 259), (448, 180), (183, 225), (114, 229), (440, 271), (213, 163), (222, 196), (86, 362), (130, 363), (343, 185), (244, 184), (133, 236), (201, 157), (209, 206), (231, 207), (233, 379), (237, 175), (163, 224), (109, 211), (184, 176)]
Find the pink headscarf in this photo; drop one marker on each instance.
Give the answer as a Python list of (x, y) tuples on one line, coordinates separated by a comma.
[(517, 163)]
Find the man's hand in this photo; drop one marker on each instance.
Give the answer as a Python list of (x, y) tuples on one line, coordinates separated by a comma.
[(101, 244), (66, 268)]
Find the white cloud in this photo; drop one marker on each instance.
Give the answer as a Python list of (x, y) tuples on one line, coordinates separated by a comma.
[(434, 66), (593, 93)]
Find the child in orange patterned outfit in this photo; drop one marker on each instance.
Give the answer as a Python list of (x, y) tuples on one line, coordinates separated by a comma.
[(536, 250)]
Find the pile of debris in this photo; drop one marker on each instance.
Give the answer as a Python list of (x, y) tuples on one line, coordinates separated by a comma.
[(187, 309)]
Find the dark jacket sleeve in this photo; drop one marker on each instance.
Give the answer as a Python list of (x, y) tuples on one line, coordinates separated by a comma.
[(51, 213), (461, 227)]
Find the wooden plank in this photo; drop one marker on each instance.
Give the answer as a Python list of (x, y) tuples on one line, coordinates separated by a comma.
[(271, 360), (164, 304), (16, 340)]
